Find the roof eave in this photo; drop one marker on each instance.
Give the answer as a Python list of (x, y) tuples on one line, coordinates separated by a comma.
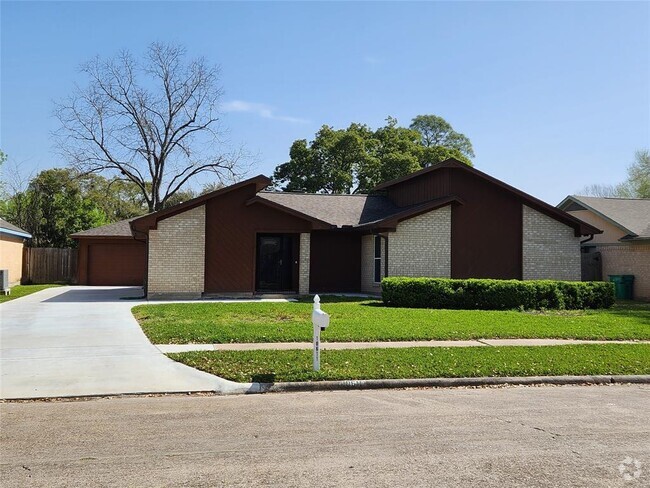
[(15, 233)]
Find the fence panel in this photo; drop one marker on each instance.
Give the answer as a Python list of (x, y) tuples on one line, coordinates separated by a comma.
[(49, 265)]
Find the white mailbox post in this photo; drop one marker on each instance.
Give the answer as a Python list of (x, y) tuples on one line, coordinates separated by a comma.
[(320, 320)]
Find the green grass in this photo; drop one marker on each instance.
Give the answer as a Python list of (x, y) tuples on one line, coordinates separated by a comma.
[(355, 320), (23, 290), (452, 362)]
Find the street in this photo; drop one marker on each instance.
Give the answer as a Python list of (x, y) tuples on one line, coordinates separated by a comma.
[(568, 436)]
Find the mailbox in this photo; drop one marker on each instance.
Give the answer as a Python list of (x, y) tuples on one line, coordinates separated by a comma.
[(320, 319)]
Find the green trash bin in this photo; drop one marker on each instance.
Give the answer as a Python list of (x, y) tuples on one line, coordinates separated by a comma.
[(624, 285)]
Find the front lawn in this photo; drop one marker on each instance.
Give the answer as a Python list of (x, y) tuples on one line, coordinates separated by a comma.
[(23, 290), (369, 320), (459, 362)]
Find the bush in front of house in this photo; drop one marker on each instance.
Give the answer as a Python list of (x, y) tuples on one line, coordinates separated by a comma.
[(484, 294)]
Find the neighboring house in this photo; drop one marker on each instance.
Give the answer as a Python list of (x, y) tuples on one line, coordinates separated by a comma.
[(12, 243), (448, 220), (624, 245)]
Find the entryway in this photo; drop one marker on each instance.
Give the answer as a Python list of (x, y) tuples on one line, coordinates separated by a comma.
[(277, 263)]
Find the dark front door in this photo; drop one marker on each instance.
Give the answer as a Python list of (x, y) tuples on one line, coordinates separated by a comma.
[(274, 263)]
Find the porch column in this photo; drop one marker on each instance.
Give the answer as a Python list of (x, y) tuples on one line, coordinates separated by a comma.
[(303, 264)]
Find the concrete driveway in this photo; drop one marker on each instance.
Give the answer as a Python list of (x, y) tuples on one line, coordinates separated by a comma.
[(75, 341)]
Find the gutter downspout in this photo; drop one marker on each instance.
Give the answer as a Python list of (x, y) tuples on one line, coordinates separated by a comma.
[(591, 236)]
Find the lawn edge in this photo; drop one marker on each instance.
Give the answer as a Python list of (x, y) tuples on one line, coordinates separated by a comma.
[(311, 386)]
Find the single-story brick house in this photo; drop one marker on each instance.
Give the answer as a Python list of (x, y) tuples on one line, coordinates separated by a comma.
[(624, 246), (448, 220), (12, 244)]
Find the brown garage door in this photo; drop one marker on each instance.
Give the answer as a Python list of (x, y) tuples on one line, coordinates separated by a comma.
[(116, 263)]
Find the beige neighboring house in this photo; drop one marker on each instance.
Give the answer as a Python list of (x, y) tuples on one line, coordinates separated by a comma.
[(12, 242), (624, 245)]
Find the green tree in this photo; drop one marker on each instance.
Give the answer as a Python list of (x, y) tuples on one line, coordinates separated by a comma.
[(638, 179), (358, 158), (437, 132), (637, 184), (53, 207)]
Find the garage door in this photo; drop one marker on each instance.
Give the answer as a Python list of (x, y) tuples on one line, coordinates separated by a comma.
[(116, 263)]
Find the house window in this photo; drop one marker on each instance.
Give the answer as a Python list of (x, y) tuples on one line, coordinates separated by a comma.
[(377, 259)]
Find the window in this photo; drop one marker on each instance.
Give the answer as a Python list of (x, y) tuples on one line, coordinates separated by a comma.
[(377, 259)]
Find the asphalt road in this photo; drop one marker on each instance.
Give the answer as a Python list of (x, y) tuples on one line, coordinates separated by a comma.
[(567, 436)]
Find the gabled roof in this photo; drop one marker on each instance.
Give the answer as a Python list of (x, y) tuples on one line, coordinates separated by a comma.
[(11, 229), (120, 229), (150, 220), (580, 227), (631, 215)]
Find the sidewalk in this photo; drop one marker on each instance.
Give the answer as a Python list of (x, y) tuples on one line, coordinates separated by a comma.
[(172, 348)]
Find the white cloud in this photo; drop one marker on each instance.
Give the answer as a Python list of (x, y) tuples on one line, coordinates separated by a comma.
[(261, 110)]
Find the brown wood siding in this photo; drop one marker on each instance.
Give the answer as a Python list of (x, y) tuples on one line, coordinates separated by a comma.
[(114, 262), (230, 239), (422, 189), (486, 232), (335, 262)]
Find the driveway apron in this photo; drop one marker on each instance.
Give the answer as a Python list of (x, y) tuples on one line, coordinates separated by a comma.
[(77, 341)]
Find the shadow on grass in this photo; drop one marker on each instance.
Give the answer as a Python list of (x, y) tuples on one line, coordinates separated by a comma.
[(263, 378), (628, 308), (338, 299)]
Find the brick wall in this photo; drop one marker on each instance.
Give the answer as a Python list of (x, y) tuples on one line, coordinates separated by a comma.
[(368, 284), (421, 246), (550, 249), (177, 255), (303, 264), (629, 258)]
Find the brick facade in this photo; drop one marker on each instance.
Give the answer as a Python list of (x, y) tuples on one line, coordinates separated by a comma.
[(303, 263), (177, 256), (629, 258), (368, 284), (550, 248), (421, 246)]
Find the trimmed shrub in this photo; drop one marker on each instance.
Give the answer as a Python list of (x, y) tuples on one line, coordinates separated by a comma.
[(479, 294)]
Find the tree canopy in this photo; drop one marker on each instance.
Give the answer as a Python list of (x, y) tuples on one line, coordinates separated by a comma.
[(52, 207), (637, 184), (358, 158), (151, 121)]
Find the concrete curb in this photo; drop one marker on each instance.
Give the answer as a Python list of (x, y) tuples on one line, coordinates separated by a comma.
[(312, 386), (443, 383)]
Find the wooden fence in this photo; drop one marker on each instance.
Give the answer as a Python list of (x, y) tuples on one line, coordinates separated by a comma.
[(49, 265)]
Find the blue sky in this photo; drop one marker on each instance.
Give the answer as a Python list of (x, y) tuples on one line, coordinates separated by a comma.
[(554, 96)]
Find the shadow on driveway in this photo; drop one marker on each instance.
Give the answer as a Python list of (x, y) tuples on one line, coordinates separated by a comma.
[(100, 294)]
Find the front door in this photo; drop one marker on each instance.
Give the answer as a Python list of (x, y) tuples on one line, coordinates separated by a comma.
[(274, 262)]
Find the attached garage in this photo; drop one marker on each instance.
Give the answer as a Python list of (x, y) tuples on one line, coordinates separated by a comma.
[(110, 256)]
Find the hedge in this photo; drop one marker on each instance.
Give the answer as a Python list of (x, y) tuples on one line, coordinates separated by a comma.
[(483, 294)]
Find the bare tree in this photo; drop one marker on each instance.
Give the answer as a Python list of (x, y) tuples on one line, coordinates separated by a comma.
[(153, 122)]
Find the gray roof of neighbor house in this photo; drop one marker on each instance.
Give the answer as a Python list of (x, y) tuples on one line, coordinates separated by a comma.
[(632, 215), (116, 229), (11, 229)]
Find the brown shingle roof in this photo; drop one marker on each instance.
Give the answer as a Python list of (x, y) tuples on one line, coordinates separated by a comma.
[(337, 210), (116, 229), (630, 214)]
